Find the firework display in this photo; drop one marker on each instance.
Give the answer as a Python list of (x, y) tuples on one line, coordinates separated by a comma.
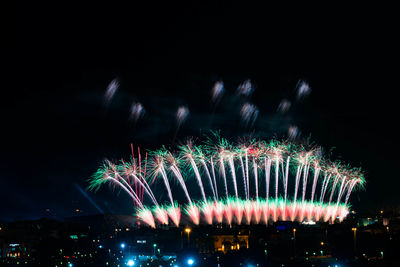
[(251, 182)]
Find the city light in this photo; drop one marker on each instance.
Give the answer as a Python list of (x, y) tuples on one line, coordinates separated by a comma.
[(188, 230), (130, 263), (190, 261), (122, 245)]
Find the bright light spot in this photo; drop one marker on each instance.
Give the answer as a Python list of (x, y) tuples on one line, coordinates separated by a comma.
[(100, 246), (130, 263), (122, 245), (70, 265), (190, 261)]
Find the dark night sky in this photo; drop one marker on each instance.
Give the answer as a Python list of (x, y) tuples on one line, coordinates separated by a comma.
[(61, 57)]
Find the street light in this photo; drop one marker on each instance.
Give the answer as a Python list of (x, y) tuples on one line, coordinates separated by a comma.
[(188, 230), (294, 241), (190, 261), (354, 229), (130, 263), (122, 245)]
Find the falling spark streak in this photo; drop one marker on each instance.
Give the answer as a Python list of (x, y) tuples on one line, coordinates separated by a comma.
[(215, 181), (341, 189), (202, 161), (305, 176), (276, 178), (287, 176), (161, 215), (132, 194), (333, 188), (224, 175), (324, 186), (146, 216), (267, 176), (178, 175), (244, 178), (193, 213), (255, 177), (165, 179), (314, 186), (231, 164), (247, 176), (197, 174)]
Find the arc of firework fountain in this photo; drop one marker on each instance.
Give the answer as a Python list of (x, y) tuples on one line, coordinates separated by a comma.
[(255, 169), (267, 162), (327, 178), (214, 179), (317, 169), (350, 190), (203, 163), (222, 166), (247, 176), (342, 189), (244, 177), (197, 175), (334, 187), (233, 173)]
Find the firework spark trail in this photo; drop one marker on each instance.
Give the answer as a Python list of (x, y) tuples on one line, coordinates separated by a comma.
[(305, 176), (181, 115), (217, 91), (303, 89), (202, 161), (244, 178), (343, 185), (207, 210), (255, 168), (246, 88), (161, 214), (325, 186), (198, 176), (247, 176), (178, 176), (349, 191), (284, 106), (110, 91), (267, 163), (175, 214), (238, 212), (276, 178), (213, 173), (147, 216), (249, 113), (193, 212), (219, 211), (315, 180), (137, 111), (248, 211), (221, 161), (146, 188), (333, 188), (130, 192), (286, 177), (166, 183), (233, 173)]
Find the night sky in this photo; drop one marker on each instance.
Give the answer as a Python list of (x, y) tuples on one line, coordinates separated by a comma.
[(60, 59)]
